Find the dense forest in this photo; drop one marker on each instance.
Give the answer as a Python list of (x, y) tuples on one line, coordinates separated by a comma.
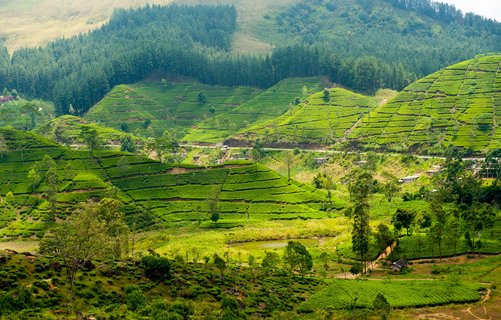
[(191, 41), (422, 35), (370, 47)]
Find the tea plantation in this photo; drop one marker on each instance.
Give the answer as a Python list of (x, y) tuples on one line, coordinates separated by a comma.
[(68, 130), (173, 106), (458, 105), (154, 193), (348, 294), (318, 120), (268, 105)]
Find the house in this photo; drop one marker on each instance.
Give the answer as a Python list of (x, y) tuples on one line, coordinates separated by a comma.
[(4, 99), (399, 265), (321, 161), (409, 179), (433, 171)]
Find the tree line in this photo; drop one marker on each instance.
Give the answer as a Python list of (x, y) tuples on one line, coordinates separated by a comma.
[(191, 41), (422, 35)]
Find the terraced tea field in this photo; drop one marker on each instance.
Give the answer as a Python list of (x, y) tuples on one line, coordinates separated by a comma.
[(315, 121), (25, 115), (154, 193), (68, 130), (341, 294), (458, 105), (172, 106), (268, 105)]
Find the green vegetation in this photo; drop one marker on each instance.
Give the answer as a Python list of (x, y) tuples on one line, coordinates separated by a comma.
[(343, 294), (315, 120), (68, 130), (420, 36), (268, 105), (25, 115), (456, 105), (150, 108), (151, 191)]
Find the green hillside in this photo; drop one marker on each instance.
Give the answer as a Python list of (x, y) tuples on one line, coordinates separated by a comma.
[(25, 115), (154, 193), (458, 105), (317, 120), (421, 35), (270, 104), (68, 130), (173, 106)]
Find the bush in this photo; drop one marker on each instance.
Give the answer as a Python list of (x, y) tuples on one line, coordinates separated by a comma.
[(135, 298), (156, 267)]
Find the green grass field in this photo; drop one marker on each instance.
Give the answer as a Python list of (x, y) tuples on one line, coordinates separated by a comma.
[(25, 115), (169, 195)]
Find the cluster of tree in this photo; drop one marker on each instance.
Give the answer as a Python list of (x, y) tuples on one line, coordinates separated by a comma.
[(191, 41), (423, 38), (95, 230), (449, 14)]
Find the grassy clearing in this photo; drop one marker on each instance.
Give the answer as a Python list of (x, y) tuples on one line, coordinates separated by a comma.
[(37, 22), (341, 294)]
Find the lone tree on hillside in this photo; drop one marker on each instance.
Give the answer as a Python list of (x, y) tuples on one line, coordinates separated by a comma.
[(94, 230), (361, 187), (326, 95), (201, 98), (403, 218), (212, 111), (297, 258), (91, 138), (391, 187), (127, 144)]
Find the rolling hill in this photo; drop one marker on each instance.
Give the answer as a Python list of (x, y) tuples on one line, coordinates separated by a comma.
[(25, 115), (172, 106), (67, 130), (269, 104), (153, 193), (317, 120), (458, 105)]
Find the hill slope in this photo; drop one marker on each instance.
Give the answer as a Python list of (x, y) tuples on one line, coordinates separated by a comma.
[(154, 193), (315, 121), (422, 35), (458, 105), (68, 130), (171, 106), (269, 104)]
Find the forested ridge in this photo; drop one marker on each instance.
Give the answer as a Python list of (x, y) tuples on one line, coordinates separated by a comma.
[(363, 45), (190, 41), (422, 35)]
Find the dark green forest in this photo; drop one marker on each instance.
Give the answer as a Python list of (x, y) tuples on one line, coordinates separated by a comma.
[(422, 35), (381, 49)]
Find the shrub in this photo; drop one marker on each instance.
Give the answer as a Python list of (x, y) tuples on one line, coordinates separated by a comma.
[(135, 298), (156, 267)]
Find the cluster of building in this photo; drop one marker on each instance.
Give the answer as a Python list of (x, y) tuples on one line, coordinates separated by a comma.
[(4, 99)]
